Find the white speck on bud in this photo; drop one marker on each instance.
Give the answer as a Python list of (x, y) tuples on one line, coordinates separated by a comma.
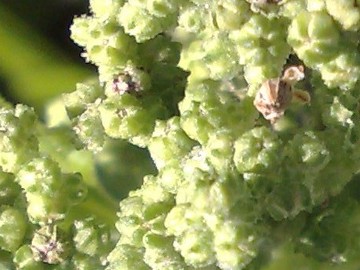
[(124, 83)]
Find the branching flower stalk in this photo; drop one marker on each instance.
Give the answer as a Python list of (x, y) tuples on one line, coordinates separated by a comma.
[(243, 174)]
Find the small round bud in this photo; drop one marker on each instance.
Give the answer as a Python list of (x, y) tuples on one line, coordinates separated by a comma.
[(24, 259), (90, 238), (12, 228), (257, 150)]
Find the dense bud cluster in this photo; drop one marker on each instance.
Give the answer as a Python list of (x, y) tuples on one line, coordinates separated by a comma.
[(36, 198), (228, 182), (244, 176)]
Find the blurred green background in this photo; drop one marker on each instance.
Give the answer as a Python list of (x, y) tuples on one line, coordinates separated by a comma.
[(38, 60)]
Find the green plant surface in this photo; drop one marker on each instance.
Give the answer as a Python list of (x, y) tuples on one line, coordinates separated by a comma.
[(179, 102)]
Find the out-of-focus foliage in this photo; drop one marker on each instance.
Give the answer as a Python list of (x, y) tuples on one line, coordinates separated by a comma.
[(34, 68)]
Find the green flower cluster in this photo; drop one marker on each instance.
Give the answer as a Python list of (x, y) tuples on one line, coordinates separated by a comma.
[(228, 182), (36, 231), (231, 190), (317, 40)]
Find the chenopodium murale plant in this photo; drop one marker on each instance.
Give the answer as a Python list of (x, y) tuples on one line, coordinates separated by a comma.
[(250, 112)]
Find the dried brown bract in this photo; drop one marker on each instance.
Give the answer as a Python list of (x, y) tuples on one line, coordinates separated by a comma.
[(275, 95)]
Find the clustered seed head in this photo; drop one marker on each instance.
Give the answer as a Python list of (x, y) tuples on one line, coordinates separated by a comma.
[(192, 81), (230, 189), (37, 195)]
